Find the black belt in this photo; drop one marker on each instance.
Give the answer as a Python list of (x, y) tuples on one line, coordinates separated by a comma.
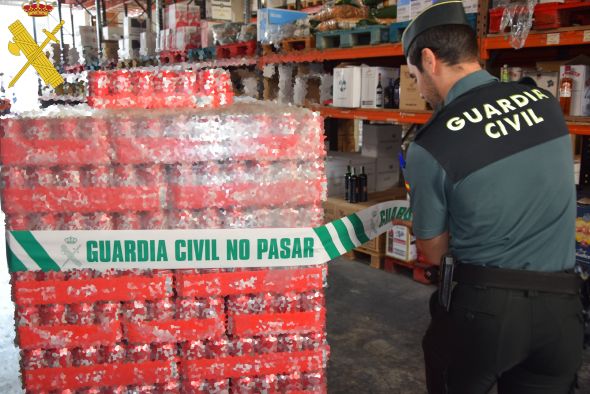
[(546, 282)]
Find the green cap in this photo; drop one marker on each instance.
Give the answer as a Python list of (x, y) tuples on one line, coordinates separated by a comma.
[(439, 14)]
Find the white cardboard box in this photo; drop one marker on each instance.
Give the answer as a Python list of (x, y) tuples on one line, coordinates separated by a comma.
[(147, 43), (385, 150), (369, 80), (88, 36), (401, 244), (374, 134), (386, 180), (347, 87), (471, 6), (581, 90), (133, 26), (546, 80), (403, 10), (112, 32)]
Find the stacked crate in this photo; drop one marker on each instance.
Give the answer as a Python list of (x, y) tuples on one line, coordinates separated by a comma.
[(165, 331)]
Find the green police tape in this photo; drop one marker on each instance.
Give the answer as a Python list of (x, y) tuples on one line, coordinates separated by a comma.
[(209, 248)]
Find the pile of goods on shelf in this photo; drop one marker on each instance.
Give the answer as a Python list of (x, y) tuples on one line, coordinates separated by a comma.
[(116, 329)]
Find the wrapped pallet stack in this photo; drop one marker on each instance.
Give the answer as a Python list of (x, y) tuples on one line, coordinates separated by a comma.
[(124, 322)]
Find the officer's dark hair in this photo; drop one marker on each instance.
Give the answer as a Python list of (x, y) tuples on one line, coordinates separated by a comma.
[(452, 44)]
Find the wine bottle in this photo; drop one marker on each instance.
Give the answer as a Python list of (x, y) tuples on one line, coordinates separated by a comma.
[(396, 94), (379, 93), (347, 184), (353, 187), (388, 97), (363, 186), (566, 86), (505, 74)]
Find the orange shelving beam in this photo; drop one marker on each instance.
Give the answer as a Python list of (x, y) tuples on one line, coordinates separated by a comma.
[(379, 115)]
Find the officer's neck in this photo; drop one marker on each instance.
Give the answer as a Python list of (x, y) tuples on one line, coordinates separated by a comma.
[(450, 75)]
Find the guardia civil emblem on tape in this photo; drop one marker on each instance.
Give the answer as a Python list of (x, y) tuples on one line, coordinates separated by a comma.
[(207, 248)]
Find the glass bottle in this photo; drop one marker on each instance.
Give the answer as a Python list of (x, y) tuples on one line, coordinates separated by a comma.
[(566, 86)]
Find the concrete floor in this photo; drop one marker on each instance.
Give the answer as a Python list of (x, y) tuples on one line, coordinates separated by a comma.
[(375, 325)]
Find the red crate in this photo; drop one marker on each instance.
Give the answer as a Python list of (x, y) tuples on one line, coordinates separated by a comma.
[(495, 19), (548, 16)]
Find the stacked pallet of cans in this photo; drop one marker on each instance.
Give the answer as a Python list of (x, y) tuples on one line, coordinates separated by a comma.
[(165, 331)]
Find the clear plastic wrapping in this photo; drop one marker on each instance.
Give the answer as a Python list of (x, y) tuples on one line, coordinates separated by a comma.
[(344, 11), (519, 17), (226, 33)]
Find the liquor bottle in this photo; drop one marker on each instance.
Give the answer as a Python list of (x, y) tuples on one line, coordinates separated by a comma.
[(347, 183), (388, 97), (379, 93), (396, 94), (363, 186), (566, 85), (504, 74), (353, 187)]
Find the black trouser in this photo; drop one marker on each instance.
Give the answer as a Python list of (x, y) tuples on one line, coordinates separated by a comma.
[(527, 342)]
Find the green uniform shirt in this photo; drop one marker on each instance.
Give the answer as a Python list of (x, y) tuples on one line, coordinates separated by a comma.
[(517, 212)]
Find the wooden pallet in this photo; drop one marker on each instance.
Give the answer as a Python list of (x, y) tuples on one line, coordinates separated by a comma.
[(376, 259), (423, 273), (236, 50), (298, 44), (368, 35), (396, 30)]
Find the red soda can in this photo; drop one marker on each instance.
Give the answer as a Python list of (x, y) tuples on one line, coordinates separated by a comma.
[(141, 82), (81, 274), (155, 220), (125, 175), (238, 304), (135, 311), (163, 351), (84, 356), (113, 354), (98, 83), (195, 387), (53, 314), (51, 275), (39, 129), (163, 309), (24, 276), (46, 221), (151, 175), (33, 359), (138, 353), (267, 384), (107, 312), (18, 222), (68, 129), (193, 350), (217, 348), (312, 382), (100, 221), (220, 386), (73, 221), (120, 82), (128, 221), (244, 385), (98, 176), (258, 304), (181, 219), (311, 301), (80, 314), (170, 387), (58, 358), (27, 315), (68, 176), (289, 343), (186, 309), (285, 303), (312, 341), (212, 308), (242, 346), (41, 176), (114, 390), (266, 344), (291, 382), (14, 177), (89, 390)]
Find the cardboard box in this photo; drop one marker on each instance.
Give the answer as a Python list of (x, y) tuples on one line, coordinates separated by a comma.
[(346, 89), (546, 80), (410, 98), (583, 234), (471, 6), (147, 43), (376, 135), (182, 15), (580, 74), (113, 33), (228, 10), (403, 10), (417, 6), (187, 38), (387, 180), (369, 82), (88, 36), (133, 26), (401, 244)]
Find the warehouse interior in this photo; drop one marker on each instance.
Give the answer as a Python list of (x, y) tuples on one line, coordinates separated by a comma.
[(199, 195)]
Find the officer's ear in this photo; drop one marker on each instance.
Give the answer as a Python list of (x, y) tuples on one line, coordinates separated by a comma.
[(429, 61)]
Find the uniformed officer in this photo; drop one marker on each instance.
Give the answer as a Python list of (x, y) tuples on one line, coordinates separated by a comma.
[(491, 182)]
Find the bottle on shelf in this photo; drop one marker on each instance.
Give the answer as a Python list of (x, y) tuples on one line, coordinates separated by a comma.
[(347, 183), (566, 85), (353, 188), (505, 74), (379, 93), (396, 93), (363, 186), (388, 96)]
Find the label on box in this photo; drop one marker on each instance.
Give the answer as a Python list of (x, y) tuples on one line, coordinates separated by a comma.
[(553, 39), (401, 244), (207, 248)]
